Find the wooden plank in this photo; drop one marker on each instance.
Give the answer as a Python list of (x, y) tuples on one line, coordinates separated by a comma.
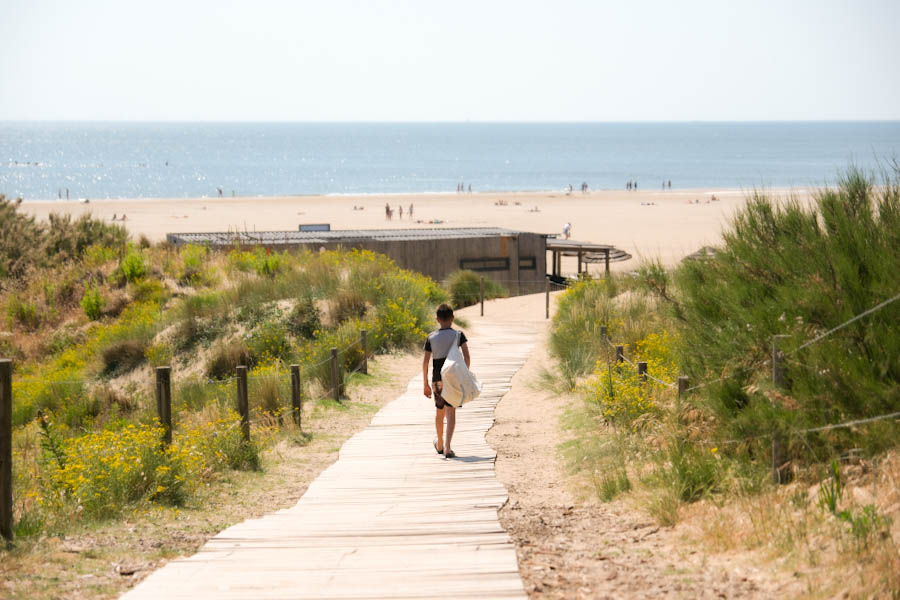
[(389, 519)]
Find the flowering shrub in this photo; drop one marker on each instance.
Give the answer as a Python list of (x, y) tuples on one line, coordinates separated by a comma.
[(105, 471), (622, 394)]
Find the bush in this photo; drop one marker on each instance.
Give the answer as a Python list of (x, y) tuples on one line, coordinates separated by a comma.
[(159, 355), (133, 266), (270, 386), (193, 258), (226, 357), (21, 241), (788, 269), (267, 263), (92, 303), (123, 355), (268, 342), (465, 288), (104, 472), (347, 304), (304, 320), (199, 319), (23, 313), (69, 240)]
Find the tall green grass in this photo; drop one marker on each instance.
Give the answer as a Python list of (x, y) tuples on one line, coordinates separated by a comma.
[(465, 288), (796, 271)]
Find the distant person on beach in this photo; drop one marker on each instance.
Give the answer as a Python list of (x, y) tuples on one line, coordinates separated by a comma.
[(567, 230), (387, 211), (470, 188), (220, 192), (670, 184), (635, 186), (401, 212), (410, 211), (437, 347), (628, 185), (67, 193)]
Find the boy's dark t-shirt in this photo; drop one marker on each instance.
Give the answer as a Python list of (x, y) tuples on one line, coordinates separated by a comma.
[(439, 344)]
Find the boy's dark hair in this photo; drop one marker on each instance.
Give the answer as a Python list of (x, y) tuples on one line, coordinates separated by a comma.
[(444, 312)]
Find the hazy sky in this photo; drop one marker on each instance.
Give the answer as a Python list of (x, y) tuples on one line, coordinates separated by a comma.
[(454, 60)]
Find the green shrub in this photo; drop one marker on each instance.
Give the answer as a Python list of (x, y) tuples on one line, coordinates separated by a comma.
[(123, 355), (159, 354), (106, 471), (95, 256), (270, 386), (796, 270), (69, 240), (22, 312), (347, 304), (21, 241), (133, 266), (304, 320), (268, 342), (465, 288), (198, 319), (267, 263), (192, 269), (92, 303), (225, 357)]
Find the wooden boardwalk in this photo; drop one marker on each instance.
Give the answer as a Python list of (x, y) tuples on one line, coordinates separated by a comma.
[(389, 519)]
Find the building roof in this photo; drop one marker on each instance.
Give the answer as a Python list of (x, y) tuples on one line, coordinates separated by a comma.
[(275, 238), (590, 252)]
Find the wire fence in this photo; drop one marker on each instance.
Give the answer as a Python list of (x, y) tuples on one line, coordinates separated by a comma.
[(777, 362)]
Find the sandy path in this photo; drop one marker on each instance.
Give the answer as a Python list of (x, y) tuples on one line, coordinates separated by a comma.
[(648, 223), (572, 549)]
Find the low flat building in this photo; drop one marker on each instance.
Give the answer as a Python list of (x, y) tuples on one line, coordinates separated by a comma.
[(502, 254)]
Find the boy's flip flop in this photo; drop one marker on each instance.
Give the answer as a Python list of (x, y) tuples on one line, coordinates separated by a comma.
[(436, 448), (450, 454)]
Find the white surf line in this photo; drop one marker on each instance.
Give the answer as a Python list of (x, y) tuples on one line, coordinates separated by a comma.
[(389, 519)]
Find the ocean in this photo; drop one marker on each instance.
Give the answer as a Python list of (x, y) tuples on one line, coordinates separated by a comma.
[(41, 160)]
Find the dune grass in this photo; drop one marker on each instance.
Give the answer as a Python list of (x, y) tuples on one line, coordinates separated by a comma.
[(783, 269)]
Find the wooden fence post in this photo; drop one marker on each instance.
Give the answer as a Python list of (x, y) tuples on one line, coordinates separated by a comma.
[(778, 381), (164, 401), (335, 386), (363, 341), (547, 298), (642, 370), (682, 392), (296, 399), (481, 293), (243, 402), (620, 354), (604, 331), (6, 505)]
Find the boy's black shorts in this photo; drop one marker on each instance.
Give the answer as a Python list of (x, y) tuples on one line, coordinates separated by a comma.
[(439, 401)]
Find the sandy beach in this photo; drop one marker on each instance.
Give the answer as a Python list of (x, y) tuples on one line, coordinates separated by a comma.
[(666, 224)]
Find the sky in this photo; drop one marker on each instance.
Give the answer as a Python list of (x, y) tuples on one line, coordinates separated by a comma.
[(423, 60)]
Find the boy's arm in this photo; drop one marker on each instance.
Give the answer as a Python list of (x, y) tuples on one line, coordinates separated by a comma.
[(465, 351), (425, 362)]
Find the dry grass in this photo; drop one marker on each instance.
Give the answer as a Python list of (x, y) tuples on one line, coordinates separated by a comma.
[(788, 526)]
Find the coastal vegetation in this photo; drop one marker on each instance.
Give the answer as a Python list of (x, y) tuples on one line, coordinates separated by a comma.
[(87, 321), (803, 465)]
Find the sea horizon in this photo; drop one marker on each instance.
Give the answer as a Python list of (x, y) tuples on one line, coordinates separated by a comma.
[(42, 160)]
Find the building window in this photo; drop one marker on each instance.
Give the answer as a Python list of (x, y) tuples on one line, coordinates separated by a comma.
[(527, 263), (485, 264)]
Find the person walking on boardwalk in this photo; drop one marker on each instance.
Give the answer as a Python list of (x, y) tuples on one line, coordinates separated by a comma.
[(437, 347)]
